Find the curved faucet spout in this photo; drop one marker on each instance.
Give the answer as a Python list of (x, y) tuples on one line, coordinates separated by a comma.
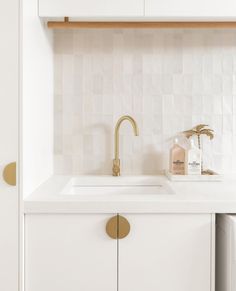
[(116, 161)]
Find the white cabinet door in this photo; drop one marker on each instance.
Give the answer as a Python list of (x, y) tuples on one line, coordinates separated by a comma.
[(70, 252), (199, 9), (9, 91), (166, 253), (91, 8)]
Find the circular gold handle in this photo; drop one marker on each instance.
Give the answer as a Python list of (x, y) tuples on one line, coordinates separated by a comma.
[(9, 174), (117, 227), (123, 227), (112, 227)]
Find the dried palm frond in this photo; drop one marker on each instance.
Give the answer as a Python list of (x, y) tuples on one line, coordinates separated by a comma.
[(208, 132), (189, 133), (200, 127), (199, 130)]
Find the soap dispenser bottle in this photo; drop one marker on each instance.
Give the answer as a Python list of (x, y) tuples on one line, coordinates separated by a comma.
[(193, 160), (177, 159)]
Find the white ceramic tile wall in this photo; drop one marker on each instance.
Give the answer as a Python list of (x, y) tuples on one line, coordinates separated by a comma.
[(167, 80)]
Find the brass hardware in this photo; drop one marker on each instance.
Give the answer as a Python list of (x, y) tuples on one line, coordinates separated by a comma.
[(116, 167), (112, 227), (9, 174), (66, 24), (117, 227), (123, 227), (116, 161)]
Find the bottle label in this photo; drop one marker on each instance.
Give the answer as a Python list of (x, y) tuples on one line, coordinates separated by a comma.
[(178, 167), (178, 163), (194, 164), (194, 167)]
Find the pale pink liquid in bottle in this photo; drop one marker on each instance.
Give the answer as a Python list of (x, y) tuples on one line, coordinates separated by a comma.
[(177, 159)]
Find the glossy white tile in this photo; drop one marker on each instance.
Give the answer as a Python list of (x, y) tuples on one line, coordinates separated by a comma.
[(168, 81)]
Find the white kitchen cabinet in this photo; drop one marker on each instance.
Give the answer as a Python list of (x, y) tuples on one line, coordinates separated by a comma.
[(91, 8), (162, 252), (69, 253), (199, 10), (140, 10), (9, 95), (167, 252)]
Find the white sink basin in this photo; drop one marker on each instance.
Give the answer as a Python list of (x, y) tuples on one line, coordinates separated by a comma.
[(125, 185)]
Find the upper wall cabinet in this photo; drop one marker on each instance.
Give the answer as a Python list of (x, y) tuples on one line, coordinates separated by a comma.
[(140, 10), (191, 9), (91, 8)]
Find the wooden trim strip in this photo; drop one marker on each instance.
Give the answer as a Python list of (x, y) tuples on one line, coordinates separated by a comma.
[(132, 25)]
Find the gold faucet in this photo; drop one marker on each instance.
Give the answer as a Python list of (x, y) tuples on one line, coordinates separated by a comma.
[(116, 161)]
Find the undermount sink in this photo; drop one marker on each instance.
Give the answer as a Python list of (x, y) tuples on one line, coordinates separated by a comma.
[(125, 185)]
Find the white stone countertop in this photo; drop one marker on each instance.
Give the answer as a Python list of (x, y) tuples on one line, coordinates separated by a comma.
[(188, 197)]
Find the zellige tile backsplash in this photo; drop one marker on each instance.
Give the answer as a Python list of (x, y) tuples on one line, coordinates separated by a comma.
[(168, 80)]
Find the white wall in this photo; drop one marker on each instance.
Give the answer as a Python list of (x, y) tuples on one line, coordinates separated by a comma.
[(167, 80), (37, 103)]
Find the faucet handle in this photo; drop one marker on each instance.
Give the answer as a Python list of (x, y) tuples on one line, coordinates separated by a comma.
[(116, 167)]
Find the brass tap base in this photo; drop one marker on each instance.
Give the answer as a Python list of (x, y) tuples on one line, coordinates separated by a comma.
[(116, 167)]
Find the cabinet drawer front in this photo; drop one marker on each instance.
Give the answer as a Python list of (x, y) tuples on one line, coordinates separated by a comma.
[(69, 253), (91, 8), (190, 9), (166, 252)]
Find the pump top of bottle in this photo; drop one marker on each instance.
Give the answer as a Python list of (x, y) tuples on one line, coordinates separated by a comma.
[(192, 144), (176, 140)]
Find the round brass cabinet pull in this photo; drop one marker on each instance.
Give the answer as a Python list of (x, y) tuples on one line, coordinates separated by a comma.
[(123, 227), (9, 174), (112, 227), (118, 227)]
